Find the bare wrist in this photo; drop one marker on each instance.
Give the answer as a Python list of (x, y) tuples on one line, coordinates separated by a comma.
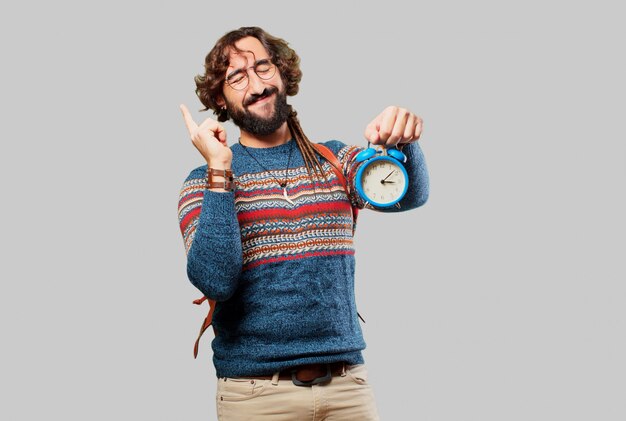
[(219, 165)]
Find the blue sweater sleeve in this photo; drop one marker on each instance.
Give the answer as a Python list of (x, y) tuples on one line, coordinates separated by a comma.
[(419, 182), (208, 223)]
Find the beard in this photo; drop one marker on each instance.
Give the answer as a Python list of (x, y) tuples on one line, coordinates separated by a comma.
[(261, 126)]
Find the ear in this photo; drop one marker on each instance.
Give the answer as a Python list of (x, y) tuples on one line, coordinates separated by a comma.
[(220, 101)]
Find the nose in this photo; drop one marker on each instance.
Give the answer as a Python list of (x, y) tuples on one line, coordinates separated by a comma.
[(255, 83)]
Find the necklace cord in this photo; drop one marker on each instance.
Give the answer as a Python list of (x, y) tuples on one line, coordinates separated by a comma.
[(284, 183)]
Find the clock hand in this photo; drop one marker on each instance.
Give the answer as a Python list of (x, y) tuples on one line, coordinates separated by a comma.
[(388, 175)]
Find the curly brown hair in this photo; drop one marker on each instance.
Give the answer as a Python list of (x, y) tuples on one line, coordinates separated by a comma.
[(209, 85)]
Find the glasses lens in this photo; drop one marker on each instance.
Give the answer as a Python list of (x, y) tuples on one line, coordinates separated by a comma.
[(238, 81), (265, 70)]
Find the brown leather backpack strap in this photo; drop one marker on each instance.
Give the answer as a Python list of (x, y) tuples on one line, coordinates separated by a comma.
[(336, 166), (334, 162), (205, 324)]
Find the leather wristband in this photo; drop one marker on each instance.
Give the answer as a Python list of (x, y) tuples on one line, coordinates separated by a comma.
[(228, 184)]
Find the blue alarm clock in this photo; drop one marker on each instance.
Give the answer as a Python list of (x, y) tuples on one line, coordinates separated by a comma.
[(382, 180)]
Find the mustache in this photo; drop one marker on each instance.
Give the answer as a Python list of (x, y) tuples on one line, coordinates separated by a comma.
[(255, 97)]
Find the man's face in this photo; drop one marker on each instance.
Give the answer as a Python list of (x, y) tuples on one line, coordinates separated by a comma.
[(261, 107)]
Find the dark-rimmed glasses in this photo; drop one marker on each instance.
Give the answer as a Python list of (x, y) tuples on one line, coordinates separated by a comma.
[(238, 79)]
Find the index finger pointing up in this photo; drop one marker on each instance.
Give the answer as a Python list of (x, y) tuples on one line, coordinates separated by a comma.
[(191, 125)]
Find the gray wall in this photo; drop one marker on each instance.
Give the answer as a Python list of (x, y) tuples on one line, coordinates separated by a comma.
[(501, 299)]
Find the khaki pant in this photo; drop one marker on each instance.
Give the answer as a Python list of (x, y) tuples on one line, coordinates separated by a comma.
[(346, 397)]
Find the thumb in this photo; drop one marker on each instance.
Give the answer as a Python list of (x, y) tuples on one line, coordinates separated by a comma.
[(220, 133)]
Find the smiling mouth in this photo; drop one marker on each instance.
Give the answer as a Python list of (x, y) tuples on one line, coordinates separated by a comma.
[(262, 100)]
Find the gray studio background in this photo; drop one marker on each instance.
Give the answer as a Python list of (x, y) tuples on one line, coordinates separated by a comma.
[(501, 299)]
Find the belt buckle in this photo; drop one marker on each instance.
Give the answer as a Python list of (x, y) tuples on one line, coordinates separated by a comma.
[(327, 377)]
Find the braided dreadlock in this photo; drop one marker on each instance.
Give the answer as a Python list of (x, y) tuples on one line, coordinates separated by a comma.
[(308, 151)]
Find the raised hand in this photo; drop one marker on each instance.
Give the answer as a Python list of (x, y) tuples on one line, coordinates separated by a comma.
[(210, 139), (394, 126)]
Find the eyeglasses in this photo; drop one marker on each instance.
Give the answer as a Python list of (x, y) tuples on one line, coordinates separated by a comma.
[(238, 79)]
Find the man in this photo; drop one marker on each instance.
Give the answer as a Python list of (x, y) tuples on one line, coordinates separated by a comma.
[(271, 243)]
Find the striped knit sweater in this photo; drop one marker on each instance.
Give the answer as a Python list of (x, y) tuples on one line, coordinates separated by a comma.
[(282, 274)]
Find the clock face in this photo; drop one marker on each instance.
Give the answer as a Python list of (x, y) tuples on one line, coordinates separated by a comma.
[(383, 182)]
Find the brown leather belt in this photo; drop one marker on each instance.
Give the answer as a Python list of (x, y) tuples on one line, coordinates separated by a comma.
[(308, 374)]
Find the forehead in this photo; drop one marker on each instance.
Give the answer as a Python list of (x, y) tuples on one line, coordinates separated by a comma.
[(251, 51)]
